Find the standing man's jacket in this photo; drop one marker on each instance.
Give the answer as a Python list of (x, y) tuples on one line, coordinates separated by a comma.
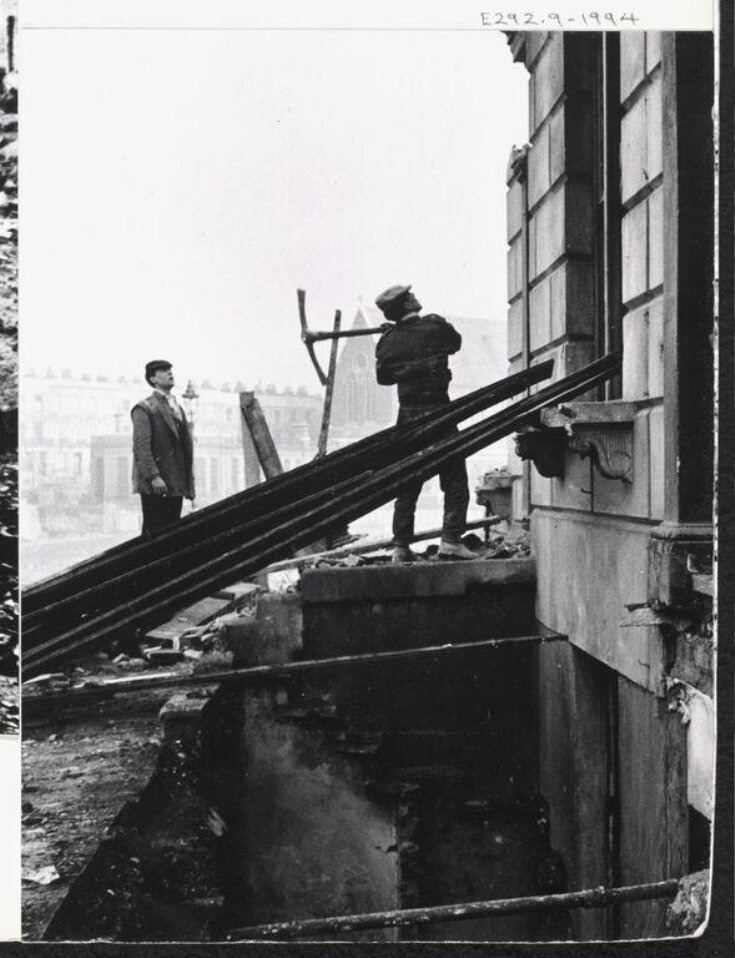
[(413, 354), (162, 446)]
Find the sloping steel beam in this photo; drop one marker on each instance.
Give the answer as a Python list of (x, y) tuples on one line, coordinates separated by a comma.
[(295, 482), (82, 589), (343, 502)]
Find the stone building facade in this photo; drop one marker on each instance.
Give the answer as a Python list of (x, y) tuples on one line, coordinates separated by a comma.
[(610, 249), (76, 442)]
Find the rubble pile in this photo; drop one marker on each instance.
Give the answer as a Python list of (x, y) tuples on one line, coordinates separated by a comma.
[(513, 544)]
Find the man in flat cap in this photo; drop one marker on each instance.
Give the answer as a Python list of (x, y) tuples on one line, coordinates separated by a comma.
[(162, 451), (413, 353)]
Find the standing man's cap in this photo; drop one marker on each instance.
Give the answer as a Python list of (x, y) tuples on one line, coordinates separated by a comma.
[(155, 365), (390, 296)]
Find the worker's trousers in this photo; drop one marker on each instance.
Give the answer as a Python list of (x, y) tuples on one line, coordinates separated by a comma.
[(454, 485), (159, 512)]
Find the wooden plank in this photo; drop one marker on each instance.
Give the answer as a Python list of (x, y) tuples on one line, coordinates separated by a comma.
[(265, 447)]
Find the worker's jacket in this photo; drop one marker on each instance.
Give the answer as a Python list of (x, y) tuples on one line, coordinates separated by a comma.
[(413, 354)]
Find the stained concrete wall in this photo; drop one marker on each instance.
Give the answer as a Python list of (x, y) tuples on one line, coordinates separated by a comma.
[(312, 843), (574, 768), (653, 802)]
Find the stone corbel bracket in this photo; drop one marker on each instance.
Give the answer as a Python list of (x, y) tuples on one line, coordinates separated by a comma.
[(544, 447), (602, 431)]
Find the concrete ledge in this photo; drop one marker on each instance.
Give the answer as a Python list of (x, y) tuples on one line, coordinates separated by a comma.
[(270, 636), (419, 580)]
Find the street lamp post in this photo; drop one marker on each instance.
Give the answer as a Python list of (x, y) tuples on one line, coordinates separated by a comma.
[(191, 400)]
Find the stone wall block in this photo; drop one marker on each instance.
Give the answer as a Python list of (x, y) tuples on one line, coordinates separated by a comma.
[(656, 465), (569, 548), (540, 318), (655, 239), (653, 49), (559, 314), (538, 167), (548, 79), (515, 267), (632, 61), (579, 62), (548, 232), (540, 489), (635, 251), (558, 159), (618, 498), (574, 490), (574, 122), (656, 348), (580, 233), (535, 41), (514, 209), (573, 356), (515, 329), (654, 129), (580, 305), (635, 354), (633, 149)]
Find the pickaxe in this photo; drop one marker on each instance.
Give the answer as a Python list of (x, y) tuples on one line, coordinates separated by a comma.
[(309, 338)]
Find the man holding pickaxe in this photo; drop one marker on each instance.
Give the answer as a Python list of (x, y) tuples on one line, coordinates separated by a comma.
[(413, 353)]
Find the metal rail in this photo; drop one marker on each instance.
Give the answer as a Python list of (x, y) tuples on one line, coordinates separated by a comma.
[(45, 700), (298, 482), (49, 608), (310, 518), (408, 917)]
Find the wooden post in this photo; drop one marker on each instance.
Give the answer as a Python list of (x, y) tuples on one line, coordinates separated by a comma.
[(329, 391), (257, 426)]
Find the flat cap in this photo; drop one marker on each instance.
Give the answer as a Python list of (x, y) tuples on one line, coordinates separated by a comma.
[(391, 295), (155, 365)]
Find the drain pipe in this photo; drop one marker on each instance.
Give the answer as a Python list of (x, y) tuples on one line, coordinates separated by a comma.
[(588, 898)]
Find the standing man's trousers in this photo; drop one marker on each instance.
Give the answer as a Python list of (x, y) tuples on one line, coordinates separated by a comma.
[(454, 485), (160, 512)]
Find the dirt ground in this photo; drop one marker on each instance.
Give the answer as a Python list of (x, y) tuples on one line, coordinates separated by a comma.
[(78, 771)]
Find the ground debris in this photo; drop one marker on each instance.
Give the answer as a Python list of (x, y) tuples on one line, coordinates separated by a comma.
[(514, 544), (688, 911), (43, 876)]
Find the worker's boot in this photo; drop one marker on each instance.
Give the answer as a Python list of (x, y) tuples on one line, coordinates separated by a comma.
[(455, 550), (403, 554)]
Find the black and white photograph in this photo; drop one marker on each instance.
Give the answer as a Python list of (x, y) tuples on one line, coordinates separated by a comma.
[(366, 464)]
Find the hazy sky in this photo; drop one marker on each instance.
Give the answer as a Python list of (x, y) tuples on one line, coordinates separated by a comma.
[(178, 186)]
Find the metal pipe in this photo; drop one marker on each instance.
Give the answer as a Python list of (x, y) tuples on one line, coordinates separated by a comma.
[(264, 674), (401, 918), (344, 502)]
